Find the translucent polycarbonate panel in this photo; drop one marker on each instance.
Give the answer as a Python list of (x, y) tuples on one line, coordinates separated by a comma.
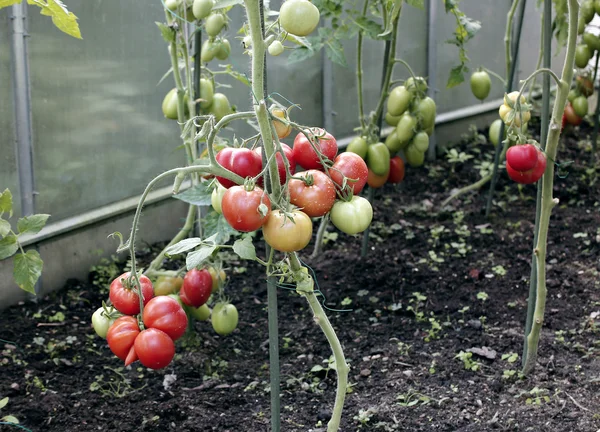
[(411, 47), (99, 133), (485, 49), (8, 162)]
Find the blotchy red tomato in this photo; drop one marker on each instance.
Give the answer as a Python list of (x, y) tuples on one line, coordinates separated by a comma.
[(397, 170), (532, 175), (197, 287), (242, 208), (376, 181), (242, 161), (126, 300), (154, 348), (166, 314), (287, 150), (353, 168), (304, 153), (571, 117), (121, 337), (315, 194), (522, 157)]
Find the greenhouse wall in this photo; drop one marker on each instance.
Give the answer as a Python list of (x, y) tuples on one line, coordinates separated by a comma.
[(99, 136)]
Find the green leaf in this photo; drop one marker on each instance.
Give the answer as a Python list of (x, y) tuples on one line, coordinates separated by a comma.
[(368, 27), (6, 3), (6, 202), (222, 4), (419, 4), (10, 419), (167, 32), (32, 224), (63, 19), (27, 270), (8, 246), (198, 195), (183, 246), (3, 402), (194, 259), (457, 76), (4, 227), (245, 248), (214, 224)]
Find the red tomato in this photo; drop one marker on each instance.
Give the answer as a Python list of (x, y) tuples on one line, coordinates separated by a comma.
[(121, 337), (242, 161), (532, 175), (396, 170), (376, 181), (304, 153), (166, 314), (241, 208), (522, 157), (571, 117), (287, 150), (351, 166), (126, 300), (196, 289), (154, 348), (315, 195)]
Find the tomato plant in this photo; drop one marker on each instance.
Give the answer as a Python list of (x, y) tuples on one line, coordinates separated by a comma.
[(154, 348), (197, 287), (165, 314), (121, 337), (313, 192), (299, 17), (349, 169), (242, 161), (304, 153), (481, 84), (287, 232), (352, 217), (245, 210), (125, 299), (224, 318)]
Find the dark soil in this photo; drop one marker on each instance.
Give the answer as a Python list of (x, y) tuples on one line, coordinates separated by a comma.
[(472, 274)]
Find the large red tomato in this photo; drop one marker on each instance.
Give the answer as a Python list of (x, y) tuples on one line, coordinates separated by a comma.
[(304, 153), (287, 150), (125, 299), (154, 348), (532, 175), (242, 208), (121, 337), (352, 167), (522, 157), (314, 194), (196, 288), (396, 174), (242, 161), (166, 314)]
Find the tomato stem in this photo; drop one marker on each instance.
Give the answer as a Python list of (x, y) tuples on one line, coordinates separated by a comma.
[(359, 72)]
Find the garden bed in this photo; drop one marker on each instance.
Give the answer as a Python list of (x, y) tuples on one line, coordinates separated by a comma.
[(436, 283)]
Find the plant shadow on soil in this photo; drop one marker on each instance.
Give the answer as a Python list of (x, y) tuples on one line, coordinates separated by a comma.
[(435, 284)]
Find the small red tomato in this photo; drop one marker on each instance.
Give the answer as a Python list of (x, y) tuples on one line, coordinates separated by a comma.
[(242, 208), (571, 117), (154, 348), (166, 314), (287, 150), (396, 174), (242, 161), (121, 337), (196, 288), (376, 181), (304, 153), (353, 168), (314, 194), (532, 175), (125, 299), (522, 157)]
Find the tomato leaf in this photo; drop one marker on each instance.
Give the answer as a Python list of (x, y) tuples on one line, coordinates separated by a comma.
[(167, 32), (215, 224), (183, 246), (27, 270), (245, 248), (63, 19), (4, 227), (368, 27), (465, 30), (197, 257), (457, 76), (8, 246), (32, 224), (6, 203), (197, 195), (419, 4), (6, 3)]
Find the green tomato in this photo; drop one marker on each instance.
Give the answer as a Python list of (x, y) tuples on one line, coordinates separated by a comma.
[(597, 6), (214, 24), (170, 103), (217, 197), (359, 146), (391, 120), (572, 95), (416, 85), (209, 51), (299, 17), (172, 5), (592, 41), (223, 50), (398, 101), (494, 132), (405, 129), (378, 158), (352, 217), (580, 26), (220, 106), (276, 48), (421, 141), (176, 297), (481, 84), (393, 144), (414, 157), (224, 318), (207, 93), (201, 313), (582, 55), (586, 11), (101, 323), (580, 106), (426, 112), (202, 8)]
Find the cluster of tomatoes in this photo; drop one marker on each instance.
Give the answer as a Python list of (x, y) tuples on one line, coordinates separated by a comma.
[(577, 106), (589, 41), (166, 307), (413, 115)]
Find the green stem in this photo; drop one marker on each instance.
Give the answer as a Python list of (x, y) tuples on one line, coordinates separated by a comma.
[(495, 75), (359, 72), (548, 202), (508, 39)]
